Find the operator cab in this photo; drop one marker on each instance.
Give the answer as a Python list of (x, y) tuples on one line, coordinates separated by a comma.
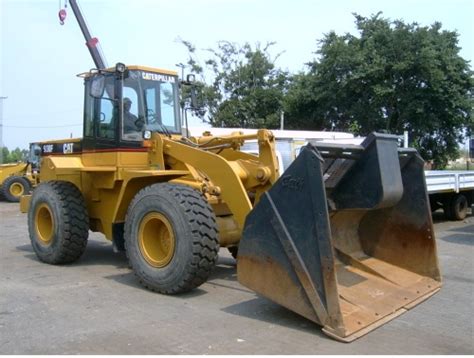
[(34, 157), (121, 103)]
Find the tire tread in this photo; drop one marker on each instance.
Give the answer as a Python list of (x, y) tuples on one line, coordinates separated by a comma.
[(205, 243), (73, 241)]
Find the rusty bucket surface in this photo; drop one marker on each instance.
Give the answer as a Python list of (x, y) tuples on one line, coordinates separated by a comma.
[(344, 237)]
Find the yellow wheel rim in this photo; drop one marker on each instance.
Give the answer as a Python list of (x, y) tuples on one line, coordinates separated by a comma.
[(156, 239), (44, 224), (17, 189)]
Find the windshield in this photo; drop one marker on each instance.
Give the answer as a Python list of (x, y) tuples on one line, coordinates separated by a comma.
[(33, 157), (150, 103)]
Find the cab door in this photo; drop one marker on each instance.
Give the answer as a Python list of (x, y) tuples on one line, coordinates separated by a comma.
[(101, 117)]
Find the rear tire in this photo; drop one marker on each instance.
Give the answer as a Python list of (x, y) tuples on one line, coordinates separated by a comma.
[(58, 222), (171, 238), (14, 187), (458, 207)]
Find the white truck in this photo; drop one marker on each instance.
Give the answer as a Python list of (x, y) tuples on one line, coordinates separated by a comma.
[(453, 191)]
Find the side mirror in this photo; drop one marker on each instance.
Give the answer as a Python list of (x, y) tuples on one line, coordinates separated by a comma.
[(191, 82), (194, 101), (191, 78), (98, 86)]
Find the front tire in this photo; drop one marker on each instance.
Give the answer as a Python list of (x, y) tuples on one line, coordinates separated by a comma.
[(58, 222), (171, 238), (14, 187)]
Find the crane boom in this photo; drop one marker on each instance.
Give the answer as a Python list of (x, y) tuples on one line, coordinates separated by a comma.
[(91, 42)]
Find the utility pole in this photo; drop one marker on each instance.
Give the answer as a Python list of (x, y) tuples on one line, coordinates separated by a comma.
[(1, 128)]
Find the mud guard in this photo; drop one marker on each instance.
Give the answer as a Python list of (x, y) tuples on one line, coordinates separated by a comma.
[(344, 237)]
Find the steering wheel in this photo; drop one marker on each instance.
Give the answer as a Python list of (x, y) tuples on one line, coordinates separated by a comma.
[(140, 123)]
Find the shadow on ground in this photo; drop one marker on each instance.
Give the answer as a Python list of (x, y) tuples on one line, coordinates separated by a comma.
[(97, 253), (261, 309), (460, 238), (467, 229), (224, 270)]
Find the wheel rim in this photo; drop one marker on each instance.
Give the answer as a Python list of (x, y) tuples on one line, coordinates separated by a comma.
[(44, 224), (156, 239), (17, 189)]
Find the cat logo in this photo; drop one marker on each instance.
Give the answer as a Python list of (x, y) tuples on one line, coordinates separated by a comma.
[(68, 148), (157, 77)]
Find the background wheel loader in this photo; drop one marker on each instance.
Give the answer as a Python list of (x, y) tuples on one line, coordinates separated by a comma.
[(13, 181), (18, 179), (344, 237)]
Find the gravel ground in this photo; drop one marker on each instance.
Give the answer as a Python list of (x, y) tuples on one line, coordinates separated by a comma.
[(96, 306)]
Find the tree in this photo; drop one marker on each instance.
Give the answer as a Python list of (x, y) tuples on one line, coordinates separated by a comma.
[(392, 77), (5, 154), (16, 155), (244, 90)]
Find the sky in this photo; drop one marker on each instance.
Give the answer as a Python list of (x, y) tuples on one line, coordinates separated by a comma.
[(39, 58)]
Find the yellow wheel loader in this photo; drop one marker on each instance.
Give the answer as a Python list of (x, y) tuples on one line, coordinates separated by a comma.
[(343, 237), (17, 179), (13, 181)]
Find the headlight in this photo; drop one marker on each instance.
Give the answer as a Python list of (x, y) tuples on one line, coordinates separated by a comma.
[(120, 67), (147, 135)]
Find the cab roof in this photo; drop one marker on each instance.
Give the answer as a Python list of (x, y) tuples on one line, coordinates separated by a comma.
[(135, 67)]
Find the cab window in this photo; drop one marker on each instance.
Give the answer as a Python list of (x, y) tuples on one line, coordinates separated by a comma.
[(106, 115), (167, 105), (100, 114), (132, 118), (150, 103)]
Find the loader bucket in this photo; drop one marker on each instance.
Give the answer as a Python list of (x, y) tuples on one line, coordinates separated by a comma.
[(344, 237)]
